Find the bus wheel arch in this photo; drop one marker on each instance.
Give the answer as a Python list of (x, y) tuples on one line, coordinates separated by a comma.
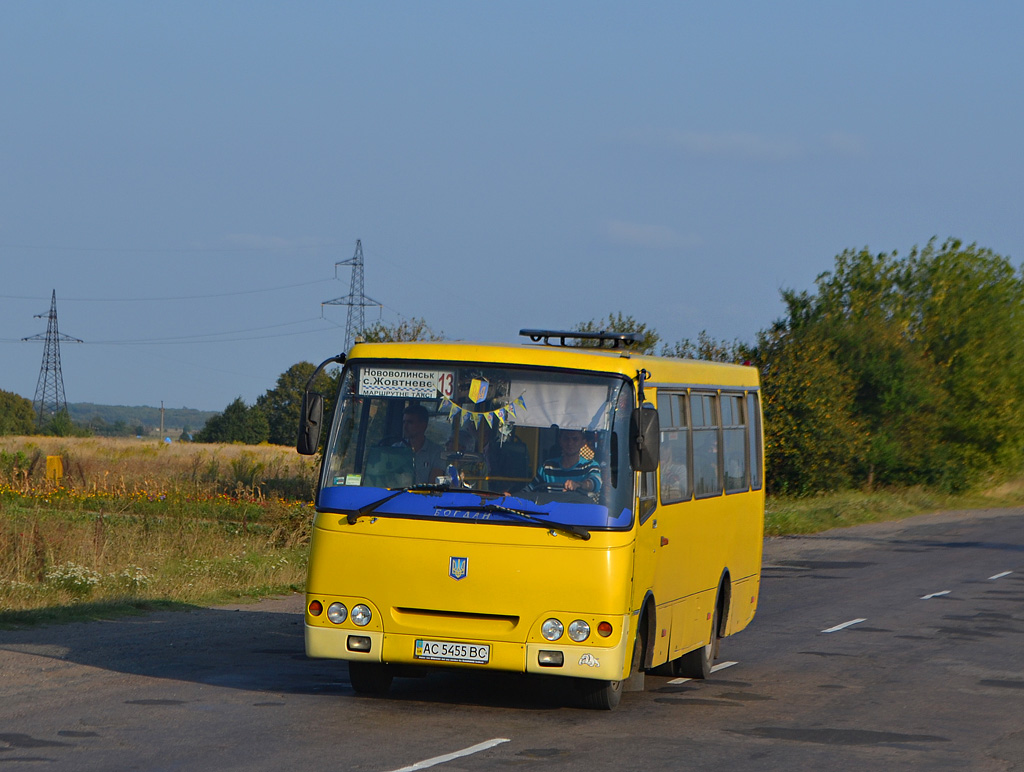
[(723, 603), (645, 629), (605, 695), (698, 663)]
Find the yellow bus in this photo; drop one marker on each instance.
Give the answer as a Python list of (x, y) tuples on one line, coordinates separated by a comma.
[(567, 507)]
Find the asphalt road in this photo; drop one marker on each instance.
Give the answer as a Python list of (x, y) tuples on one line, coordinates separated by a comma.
[(892, 646)]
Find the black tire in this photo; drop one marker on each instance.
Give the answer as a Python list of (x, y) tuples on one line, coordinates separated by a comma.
[(599, 695), (698, 663), (605, 695), (370, 677)]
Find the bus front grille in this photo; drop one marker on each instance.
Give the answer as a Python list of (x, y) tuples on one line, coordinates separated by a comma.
[(454, 623)]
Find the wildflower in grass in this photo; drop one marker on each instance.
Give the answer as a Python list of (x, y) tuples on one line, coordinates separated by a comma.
[(132, 578), (73, 578)]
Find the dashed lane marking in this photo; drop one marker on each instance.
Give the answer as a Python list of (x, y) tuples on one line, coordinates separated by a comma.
[(935, 595), (426, 763), (715, 669), (1000, 576), (844, 625)]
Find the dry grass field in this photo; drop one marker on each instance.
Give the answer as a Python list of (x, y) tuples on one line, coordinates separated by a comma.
[(121, 465), (135, 521)]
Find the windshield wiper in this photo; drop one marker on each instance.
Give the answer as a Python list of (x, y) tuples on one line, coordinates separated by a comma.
[(372, 507), (529, 517)]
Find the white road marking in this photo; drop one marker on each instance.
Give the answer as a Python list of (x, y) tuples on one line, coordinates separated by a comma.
[(715, 669), (844, 625), (452, 756), (935, 595), (1000, 576)]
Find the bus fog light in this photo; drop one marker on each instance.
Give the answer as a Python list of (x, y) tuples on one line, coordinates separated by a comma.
[(361, 615), (316, 608), (358, 643), (604, 629), (579, 631), (337, 613), (552, 629), (549, 658)]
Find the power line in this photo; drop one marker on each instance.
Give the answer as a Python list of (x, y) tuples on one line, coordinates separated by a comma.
[(171, 250), (198, 337), (179, 297)]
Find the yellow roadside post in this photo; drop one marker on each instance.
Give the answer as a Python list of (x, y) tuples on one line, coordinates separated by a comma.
[(54, 469)]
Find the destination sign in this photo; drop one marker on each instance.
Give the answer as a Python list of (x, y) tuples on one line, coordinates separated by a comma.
[(409, 384)]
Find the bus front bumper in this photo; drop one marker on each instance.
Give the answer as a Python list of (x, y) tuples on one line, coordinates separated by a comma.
[(577, 660)]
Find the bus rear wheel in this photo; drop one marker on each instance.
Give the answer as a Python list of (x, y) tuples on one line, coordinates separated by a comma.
[(370, 677), (698, 663)]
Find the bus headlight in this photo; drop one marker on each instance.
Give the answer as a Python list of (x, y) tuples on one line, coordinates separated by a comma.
[(337, 613), (578, 630), (361, 615), (551, 629)]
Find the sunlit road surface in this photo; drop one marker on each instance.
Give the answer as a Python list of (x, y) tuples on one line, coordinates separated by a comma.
[(893, 646)]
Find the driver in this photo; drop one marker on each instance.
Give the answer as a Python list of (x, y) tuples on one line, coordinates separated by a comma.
[(426, 455), (570, 471)]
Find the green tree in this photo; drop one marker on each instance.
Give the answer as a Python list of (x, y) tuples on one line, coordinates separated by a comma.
[(619, 322), (238, 423), (61, 425), (16, 414), (812, 440), (968, 319), (282, 405), (406, 330), (863, 307), (708, 349), (932, 348)]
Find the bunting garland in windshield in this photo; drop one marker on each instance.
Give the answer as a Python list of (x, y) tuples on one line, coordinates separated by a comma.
[(501, 414)]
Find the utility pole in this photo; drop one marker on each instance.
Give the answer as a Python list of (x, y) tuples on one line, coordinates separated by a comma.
[(49, 399), (356, 301), (161, 419)]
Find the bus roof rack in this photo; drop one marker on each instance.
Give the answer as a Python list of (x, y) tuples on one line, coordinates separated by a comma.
[(616, 339)]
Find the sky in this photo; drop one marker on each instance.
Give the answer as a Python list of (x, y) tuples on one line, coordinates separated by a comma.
[(186, 175)]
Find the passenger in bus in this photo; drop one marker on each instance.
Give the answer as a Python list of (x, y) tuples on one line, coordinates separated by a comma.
[(569, 471), (426, 455), (675, 485)]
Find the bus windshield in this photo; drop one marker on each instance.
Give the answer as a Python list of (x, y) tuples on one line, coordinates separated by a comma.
[(521, 446)]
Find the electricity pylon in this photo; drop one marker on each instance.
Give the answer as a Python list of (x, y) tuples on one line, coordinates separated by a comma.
[(356, 301), (49, 399)]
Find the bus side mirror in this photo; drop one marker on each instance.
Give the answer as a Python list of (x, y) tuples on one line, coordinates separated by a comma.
[(310, 422), (644, 439)]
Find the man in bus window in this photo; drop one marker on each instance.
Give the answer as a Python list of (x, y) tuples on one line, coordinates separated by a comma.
[(426, 455), (570, 471)]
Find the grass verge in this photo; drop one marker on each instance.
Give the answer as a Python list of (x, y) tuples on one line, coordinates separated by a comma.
[(785, 516)]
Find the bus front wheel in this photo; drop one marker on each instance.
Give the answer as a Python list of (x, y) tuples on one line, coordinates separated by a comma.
[(370, 677), (605, 695)]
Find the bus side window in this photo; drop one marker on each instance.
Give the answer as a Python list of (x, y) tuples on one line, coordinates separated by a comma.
[(754, 439), (648, 495), (707, 476), (674, 471), (734, 442)]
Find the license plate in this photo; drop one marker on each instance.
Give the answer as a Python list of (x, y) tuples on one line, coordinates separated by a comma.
[(448, 651)]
